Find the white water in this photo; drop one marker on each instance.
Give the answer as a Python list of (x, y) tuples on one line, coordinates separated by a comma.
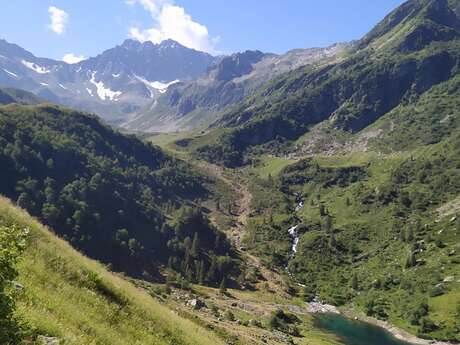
[(293, 232), (299, 206)]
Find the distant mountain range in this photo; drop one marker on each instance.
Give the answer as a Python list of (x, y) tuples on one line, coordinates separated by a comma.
[(151, 87), (114, 84)]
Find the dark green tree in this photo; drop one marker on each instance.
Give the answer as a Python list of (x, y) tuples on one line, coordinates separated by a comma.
[(354, 282), (322, 210), (223, 285), (195, 250)]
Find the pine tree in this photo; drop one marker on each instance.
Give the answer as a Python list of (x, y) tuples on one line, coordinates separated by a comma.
[(410, 234), (217, 242), (411, 261), (322, 210), (189, 274), (332, 241), (212, 269), (328, 224), (195, 250), (354, 282), (187, 243), (223, 285), (171, 263), (24, 201), (200, 273), (402, 235)]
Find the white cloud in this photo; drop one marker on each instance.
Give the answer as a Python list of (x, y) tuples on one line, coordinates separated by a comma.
[(71, 58), (59, 19), (172, 22)]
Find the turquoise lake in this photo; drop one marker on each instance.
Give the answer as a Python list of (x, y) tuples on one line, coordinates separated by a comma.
[(352, 332)]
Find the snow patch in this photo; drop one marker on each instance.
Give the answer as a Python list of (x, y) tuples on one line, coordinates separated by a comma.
[(103, 92), (34, 67), (63, 86), (116, 75), (44, 84), (11, 73), (90, 92), (157, 85)]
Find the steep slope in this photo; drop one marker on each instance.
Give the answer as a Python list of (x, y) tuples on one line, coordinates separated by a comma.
[(114, 84), (378, 233), (74, 300), (415, 48), (111, 196), (195, 103), (8, 96)]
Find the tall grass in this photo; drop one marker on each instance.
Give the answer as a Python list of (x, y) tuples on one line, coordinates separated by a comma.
[(69, 296)]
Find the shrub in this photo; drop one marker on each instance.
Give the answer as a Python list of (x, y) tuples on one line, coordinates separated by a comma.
[(229, 315), (12, 243)]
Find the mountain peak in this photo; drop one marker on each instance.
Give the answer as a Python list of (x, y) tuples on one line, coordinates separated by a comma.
[(169, 43), (132, 44), (416, 24)]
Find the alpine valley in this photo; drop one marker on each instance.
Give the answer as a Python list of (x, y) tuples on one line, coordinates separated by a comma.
[(156, 194)]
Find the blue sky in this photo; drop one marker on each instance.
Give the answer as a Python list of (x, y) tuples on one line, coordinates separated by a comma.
[(87, 27)]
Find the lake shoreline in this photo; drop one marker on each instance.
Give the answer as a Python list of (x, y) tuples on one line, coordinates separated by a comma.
[(318, 307), (398, 333)]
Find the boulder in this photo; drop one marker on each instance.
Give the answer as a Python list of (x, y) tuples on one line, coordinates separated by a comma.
[(42, 340), (196, 303)]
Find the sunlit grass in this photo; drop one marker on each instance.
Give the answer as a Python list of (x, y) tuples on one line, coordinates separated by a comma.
[(77, 300)]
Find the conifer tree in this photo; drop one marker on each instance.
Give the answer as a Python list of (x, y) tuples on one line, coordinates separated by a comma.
[(322, 210), (354, 282), (195, 250), (212, 269), (223, 285)]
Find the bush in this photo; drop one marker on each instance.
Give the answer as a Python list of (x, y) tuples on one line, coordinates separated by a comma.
[(427, 326), (229, 315), (284, 322), (438, 290), (12, 243)]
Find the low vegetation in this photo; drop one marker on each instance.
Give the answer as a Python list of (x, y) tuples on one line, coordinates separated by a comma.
[(63, 295)]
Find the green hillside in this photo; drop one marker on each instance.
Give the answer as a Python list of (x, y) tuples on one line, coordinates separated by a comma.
[(9, 95), (112, 196), (377, 232), (411, 51), (66, 296)]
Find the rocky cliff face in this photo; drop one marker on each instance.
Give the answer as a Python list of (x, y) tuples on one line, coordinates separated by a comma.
[(195, 103)]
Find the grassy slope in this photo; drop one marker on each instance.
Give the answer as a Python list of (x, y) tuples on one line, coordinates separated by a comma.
[(378, 228), (77, 300)]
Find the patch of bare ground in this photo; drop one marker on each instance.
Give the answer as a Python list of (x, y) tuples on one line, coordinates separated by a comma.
[(271, 278), (450, 208), (328, 142)]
